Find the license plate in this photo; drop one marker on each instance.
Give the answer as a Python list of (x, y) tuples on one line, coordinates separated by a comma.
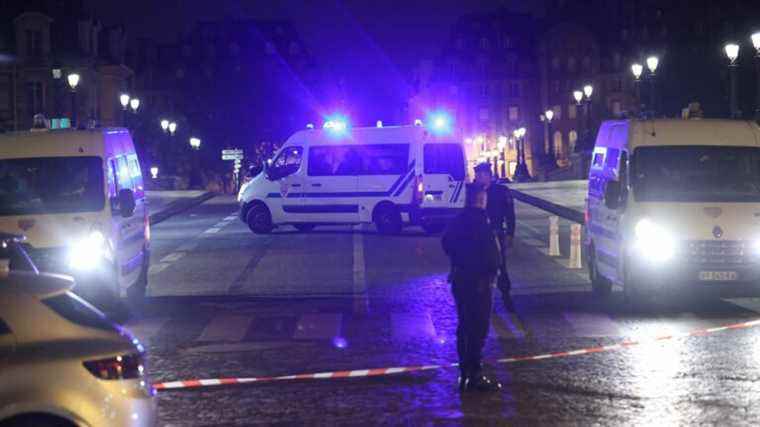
[(718, 276)]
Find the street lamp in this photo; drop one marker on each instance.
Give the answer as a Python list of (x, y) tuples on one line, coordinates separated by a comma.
[(652, 63), (172, 128), (521, 173), (732, 52), (164, 125), (73, 80), (578, 95), (637, 70), (154, 172), (195, 143), (124, 101), (551, 155), (588, 90), (756, 44), (134, 103)]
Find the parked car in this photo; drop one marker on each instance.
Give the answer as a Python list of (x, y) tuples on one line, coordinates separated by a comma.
[(62, 362)]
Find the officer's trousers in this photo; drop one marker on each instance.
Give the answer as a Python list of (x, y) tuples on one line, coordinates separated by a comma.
[(473, 299)]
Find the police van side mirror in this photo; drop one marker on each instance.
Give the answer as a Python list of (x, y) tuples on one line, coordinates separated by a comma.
[(127, 202), (612, 195)]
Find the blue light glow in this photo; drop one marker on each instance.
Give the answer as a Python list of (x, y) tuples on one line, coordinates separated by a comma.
[(439, 122), (337, 124)]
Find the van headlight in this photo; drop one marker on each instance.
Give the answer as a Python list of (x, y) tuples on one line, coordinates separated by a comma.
[(88, 253), (653, 242)]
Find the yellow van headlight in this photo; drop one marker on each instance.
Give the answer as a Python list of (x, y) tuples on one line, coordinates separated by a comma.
[(653, 242), (88, 253)]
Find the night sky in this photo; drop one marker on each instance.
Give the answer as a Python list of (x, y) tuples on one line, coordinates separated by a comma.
[(379, 41)]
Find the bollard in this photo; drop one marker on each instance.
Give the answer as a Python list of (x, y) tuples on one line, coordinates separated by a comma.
[(554, 236), (575, 247)]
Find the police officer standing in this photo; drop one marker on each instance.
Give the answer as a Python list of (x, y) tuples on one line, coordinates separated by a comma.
[(471, 245), (501, 214)]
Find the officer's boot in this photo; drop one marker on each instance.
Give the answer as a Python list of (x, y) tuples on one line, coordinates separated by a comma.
[(480, 382), (464, 377)]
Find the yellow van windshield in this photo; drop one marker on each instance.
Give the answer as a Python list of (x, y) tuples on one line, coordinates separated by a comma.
[(51, 185), (696, 174)]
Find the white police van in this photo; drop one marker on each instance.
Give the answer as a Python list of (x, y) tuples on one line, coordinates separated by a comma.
[(675, 205), (389, 176), (78, 197)]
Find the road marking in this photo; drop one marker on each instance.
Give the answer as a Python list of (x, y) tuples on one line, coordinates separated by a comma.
[(361, 300), (157, 268), (212, 230), (534, 242), (315, 326), (226, 327), (411, 326), (188, 247), (172, 257)]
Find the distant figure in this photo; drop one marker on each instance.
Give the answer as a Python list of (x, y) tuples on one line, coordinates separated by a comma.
[(501, 214), (471, 245)]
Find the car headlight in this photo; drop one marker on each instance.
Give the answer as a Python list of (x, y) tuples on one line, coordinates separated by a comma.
[(653, 242), (88, 253)]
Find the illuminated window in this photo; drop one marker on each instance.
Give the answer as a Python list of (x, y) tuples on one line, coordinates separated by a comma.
[(558, 148), (616, 109), (572, 138), (514, 113), (557, 112), (572, 111)]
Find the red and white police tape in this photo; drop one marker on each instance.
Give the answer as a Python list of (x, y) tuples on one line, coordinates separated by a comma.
[(198, 383)]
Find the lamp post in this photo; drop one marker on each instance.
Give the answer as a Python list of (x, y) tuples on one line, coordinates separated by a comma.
[(551, 159), (522, 173), (134, 104), (57, 74), (652, 63), (732, 52), (637, 70), (756, 44), (588, 90), (73, 80)]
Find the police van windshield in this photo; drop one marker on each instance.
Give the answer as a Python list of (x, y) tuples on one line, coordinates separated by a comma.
[(696, 174), (51, 185)]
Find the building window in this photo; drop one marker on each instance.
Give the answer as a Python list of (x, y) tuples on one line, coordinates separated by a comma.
[(484, 114), (33, 43), (508, 44), (572, 111), (33, 98), (269, 48), (460, 43), (514, 113), (557, 112), (571, 64), (555, 63), (587, 63), (555, 87), (572, 139), (617, 110), (617, 85), (484, 43), (514, 90), (483, 90), (295, 49), (616, 60), (559, 153)]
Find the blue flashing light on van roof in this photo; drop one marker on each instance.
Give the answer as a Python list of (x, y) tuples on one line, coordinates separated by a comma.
[(439, 123), (336, 124)]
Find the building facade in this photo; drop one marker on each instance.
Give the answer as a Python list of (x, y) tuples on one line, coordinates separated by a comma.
[(38, 53)]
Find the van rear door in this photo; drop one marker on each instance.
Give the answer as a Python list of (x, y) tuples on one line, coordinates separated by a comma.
[(443, 177)]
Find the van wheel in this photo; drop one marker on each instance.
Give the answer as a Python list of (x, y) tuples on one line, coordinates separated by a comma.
[(433, 228), (600, 285), (304, 228), (388, 219), (259, 219)]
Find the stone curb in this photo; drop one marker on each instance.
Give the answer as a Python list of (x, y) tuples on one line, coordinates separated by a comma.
[(179, 206)]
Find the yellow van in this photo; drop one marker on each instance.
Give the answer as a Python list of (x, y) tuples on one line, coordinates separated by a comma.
[(78, 197), (675, 204)]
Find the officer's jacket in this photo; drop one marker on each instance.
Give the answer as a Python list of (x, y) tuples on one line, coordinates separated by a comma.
[(470, 244), (501, 209)]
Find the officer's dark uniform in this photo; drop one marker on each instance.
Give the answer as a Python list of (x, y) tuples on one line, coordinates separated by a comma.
[(471, 245), (501, 213)]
